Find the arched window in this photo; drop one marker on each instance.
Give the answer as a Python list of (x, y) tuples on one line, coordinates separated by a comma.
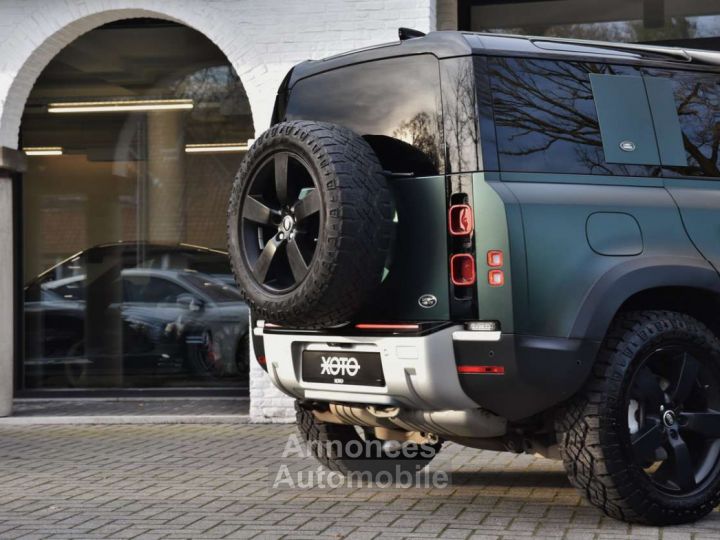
[(133, 134)]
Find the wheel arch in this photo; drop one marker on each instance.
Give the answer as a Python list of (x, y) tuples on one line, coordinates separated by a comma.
[(688, 285)]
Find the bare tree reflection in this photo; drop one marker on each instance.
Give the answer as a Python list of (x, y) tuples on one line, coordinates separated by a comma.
[(698, 100), (461, 127), (545, 110), (543, 106), (422, 131)]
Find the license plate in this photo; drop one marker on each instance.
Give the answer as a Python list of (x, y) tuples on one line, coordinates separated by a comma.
[(343, 367)]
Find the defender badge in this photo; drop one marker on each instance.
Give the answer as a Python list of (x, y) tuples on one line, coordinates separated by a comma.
[(427, 301)]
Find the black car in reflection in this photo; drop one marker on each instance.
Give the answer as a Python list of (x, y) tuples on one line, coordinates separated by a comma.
[(119, 314)]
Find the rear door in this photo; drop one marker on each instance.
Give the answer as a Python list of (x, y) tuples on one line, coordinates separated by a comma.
[(689, 110), (395, 105)]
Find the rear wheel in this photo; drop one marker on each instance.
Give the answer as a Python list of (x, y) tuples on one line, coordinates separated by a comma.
[(643, 439)]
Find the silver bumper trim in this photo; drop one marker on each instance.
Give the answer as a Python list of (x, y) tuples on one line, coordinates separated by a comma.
[(468, 335), (420, 372)]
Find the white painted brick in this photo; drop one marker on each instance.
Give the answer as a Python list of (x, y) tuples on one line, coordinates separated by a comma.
[(262, 39)]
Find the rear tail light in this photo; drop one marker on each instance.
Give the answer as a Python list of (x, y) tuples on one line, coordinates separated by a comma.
[(481, 370), (496, 278), (462, 269), (460, 220), (262, 360)]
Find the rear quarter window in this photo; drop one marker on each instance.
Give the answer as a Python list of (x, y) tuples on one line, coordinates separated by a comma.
[(697, 99), (546, 119)]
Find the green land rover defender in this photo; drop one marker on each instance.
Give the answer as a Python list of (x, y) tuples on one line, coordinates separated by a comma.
[(506, 242)]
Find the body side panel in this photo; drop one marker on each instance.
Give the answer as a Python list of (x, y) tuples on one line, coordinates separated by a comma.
[(563, 269)]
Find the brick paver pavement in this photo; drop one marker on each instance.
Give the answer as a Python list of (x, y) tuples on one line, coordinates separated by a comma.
[(211, 481)]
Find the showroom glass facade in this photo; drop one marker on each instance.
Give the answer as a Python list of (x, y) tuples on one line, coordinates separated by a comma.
[(693, 23), (133, 134)]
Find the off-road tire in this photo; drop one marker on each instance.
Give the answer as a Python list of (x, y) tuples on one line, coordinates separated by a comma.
[(590, 431), (324, 439), (354, 242)]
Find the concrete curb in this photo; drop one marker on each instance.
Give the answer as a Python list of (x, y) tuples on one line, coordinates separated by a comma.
[(125, 419)]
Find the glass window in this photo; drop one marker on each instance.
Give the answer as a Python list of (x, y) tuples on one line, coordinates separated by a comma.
[(133, 134), (146, 289), (217, 291), (459, 115), (697, 98), (393, 103), (546, 120), (666, 21)]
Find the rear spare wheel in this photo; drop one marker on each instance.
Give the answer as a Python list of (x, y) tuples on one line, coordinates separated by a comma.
[(309, 224)]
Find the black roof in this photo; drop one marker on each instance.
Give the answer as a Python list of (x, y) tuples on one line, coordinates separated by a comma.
[(451, 44)]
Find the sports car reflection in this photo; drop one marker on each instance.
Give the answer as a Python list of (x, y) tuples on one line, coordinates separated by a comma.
[(120, 313)]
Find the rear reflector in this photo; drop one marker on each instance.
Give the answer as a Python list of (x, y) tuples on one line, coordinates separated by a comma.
[(460, 220), (495, 258), (481, 370), (462, 269), (373, 326), (496, 278), (262, 360), (482, 326)]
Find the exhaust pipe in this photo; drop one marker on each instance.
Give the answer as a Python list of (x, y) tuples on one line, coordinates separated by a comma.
[(475, 423)]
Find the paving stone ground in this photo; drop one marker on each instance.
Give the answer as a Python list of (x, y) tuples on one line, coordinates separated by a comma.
[(214, 481)]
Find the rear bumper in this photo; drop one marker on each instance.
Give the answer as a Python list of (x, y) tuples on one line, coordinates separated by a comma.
[(421, 372), (539, 372)]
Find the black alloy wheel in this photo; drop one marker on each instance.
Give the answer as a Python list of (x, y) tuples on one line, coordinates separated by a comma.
[(674, 418), (642, 439), (310, 225), (280, 221)]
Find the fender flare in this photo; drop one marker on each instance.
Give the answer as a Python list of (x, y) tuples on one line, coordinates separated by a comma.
[(626, 279)]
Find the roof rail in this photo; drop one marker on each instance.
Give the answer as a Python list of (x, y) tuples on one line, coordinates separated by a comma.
[(675, 52), (704, 57)]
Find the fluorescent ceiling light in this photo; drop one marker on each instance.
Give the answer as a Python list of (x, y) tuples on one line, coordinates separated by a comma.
[(43, 151), (216, 148), (121, 106)]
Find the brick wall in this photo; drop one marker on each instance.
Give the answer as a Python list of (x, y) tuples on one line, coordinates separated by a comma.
[(261, 38), (447, 14)]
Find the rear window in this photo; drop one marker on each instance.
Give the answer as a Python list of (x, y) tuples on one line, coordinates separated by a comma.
[(546, 119), (393, 103)]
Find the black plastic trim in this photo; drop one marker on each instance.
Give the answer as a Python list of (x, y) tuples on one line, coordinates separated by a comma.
[(425, 328), (624, 280), (540, 372)]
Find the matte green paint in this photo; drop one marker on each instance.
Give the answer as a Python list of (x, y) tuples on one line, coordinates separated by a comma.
[(594, 179), (492, 233), (614, 234), (699, 203), (562, 267), (420, 253), (625, 119)]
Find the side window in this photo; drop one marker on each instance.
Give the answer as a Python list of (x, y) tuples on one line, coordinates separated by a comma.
[(393, 103), (697, 101), (150, 290), (459, 114), (546, 117)]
